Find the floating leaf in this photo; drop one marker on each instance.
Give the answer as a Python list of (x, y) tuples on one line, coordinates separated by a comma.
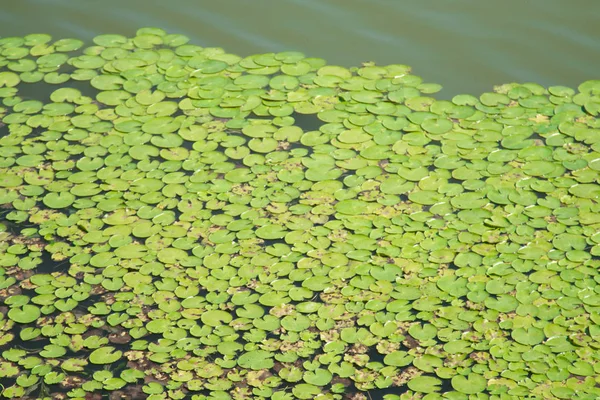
[(271, 232), (529, 336), (471, 384), (256, 359), (216, 317), (105, 355), (351, 207), (25, 314), (10, 180), (318, 377), (424, 384), (398, 359), (59, 200)]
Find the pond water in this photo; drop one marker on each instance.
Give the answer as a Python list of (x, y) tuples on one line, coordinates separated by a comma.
[(467, 46)]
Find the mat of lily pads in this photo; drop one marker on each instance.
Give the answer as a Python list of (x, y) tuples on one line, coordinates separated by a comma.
[(183, 223)]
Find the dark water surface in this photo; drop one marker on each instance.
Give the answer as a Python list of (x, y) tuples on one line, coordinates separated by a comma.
[(468, 46)]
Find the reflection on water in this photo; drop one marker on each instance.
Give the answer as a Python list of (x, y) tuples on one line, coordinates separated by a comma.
[(467, 46)]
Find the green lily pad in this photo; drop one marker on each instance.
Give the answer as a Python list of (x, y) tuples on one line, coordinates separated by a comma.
[(529, 336), (216, 317), (9, 79), (437, 126), (427, 363), (581, 368), (53, 351), (256, 359), (424, 384), (398, 359), (413, 174), (426, 197), (110, 40), (585, 190), (354, 136), (296, 323), (24, 314), (318, 377), (471, 384), (425, 332), (10, 180), (271, 232), (131, 251), (161, 125), (469, 200), (105, 355), (395, 185), (59, 200), (158, 326), (351, 207), (171, 255), (563, 392)]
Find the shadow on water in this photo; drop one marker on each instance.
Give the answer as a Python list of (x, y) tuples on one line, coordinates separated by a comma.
[(308, 122), (49, 266), (3, 130)]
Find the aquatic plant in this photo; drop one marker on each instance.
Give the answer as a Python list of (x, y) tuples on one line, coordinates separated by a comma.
[(180, 222)]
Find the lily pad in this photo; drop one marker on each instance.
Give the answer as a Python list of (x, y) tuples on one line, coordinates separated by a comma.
[(216, 317), (24, 314), (271, 232), (59, 200), (425, 384), (351, 207), (471, 384), (105, 355), (10, 180), (398, 359), (528, 336), (256, 360), (318, 377)]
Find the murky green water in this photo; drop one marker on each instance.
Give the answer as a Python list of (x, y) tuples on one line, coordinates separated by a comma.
[(466, 45)]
